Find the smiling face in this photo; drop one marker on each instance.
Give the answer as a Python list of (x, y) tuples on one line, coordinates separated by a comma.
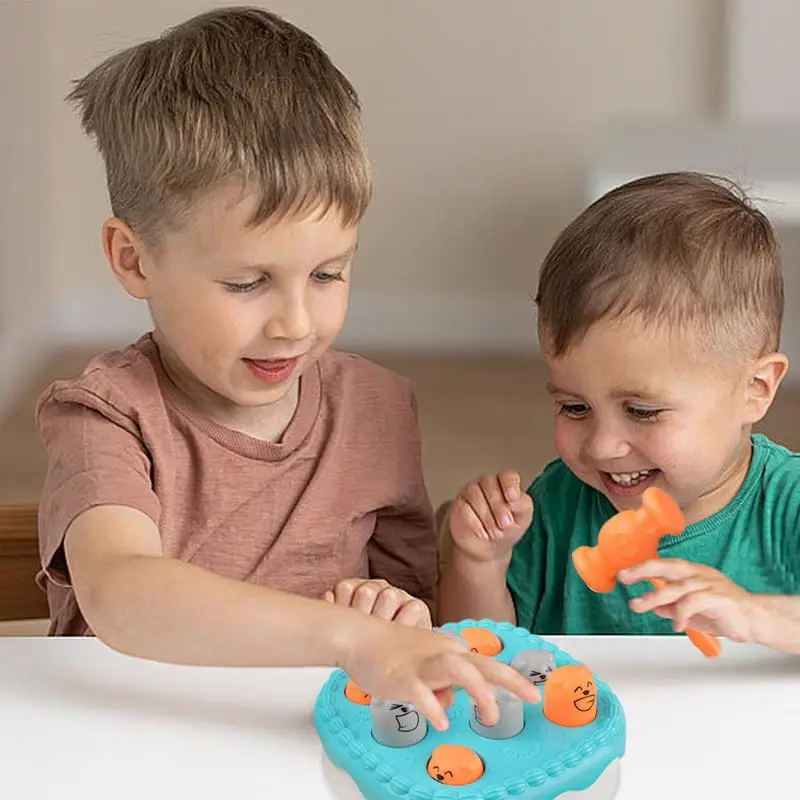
[(585, 696), (454, 765), (406, 718), (396, 724), (240, 311), (636, 407), (570, 696), (535, 665)]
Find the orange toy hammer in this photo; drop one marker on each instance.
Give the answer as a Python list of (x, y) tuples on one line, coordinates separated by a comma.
[(629, 538)]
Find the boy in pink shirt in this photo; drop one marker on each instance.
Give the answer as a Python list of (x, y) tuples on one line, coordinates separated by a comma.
[(211, 483)]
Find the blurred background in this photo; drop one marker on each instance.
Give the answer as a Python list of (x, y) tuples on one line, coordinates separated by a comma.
[(490, 125)]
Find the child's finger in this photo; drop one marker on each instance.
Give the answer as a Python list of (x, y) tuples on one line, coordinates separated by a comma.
[(667, 594), (463, 513), (502, 516), (414, 614), (452, 669), (478, 503), (366, 595), (429, 705), (446, 697), (328, 597), (342, 593), (668, 569), (503, 675), (492, 490), (388, 601), (665, 612), (700, 604), (510, 486)]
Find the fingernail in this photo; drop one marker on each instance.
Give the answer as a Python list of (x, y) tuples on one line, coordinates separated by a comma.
[(513, 493), (506, 522)]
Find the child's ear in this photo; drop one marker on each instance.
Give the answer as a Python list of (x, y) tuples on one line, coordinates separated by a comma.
[(763, 383), (124, 251)]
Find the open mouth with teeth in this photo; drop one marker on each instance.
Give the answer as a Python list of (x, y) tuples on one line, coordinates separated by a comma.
[(627, 483), (631, 478)]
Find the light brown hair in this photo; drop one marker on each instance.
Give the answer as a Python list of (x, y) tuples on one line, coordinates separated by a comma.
[(231, 93), (681, 249)]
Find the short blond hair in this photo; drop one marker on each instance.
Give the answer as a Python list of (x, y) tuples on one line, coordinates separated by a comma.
[(231, 93), (682, 249)]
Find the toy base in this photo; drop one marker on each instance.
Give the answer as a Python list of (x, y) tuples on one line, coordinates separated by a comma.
[(343, 787)]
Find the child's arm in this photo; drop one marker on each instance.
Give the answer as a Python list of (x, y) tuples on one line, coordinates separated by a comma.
[(485, 521), (698, 596), (143, 604), (779, 623)]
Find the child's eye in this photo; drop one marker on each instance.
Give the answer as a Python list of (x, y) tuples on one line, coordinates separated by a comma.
[(644, 414), (244, 287), (573, 410), (327, 277)]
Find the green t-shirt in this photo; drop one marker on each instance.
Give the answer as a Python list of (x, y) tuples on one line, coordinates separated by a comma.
[(754, 541)]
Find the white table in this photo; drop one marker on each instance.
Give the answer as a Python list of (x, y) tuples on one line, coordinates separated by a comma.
[(81, 722)]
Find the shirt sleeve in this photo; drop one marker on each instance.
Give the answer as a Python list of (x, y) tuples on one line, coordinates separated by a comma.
[(402, 549), (95, 456)]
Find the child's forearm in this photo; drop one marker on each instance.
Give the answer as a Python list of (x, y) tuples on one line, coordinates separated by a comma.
[(166, 610), (470, 589), (779, 623)]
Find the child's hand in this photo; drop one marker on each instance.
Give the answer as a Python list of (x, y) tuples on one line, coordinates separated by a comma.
[(489, 516), (380, 599), (424, 668), (696, 596)]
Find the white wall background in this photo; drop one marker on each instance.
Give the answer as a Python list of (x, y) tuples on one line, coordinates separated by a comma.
[(480, 118), (761, 89), (763, 67), (27, 190)]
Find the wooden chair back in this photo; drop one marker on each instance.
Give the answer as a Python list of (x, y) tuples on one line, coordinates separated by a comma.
[(20, 597)]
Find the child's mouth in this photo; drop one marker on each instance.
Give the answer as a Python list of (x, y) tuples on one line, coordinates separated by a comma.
[(272, 371), (629, 484)]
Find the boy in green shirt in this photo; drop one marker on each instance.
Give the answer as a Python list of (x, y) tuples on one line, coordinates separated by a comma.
[(660, 310)]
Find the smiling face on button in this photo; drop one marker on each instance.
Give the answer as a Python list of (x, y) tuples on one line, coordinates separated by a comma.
[(570, 696)]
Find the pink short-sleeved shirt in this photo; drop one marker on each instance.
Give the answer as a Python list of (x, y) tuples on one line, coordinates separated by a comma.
[(342, 495)]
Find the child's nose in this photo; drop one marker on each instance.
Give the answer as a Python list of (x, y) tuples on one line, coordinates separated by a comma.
[(292, 320), (605, 443)]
